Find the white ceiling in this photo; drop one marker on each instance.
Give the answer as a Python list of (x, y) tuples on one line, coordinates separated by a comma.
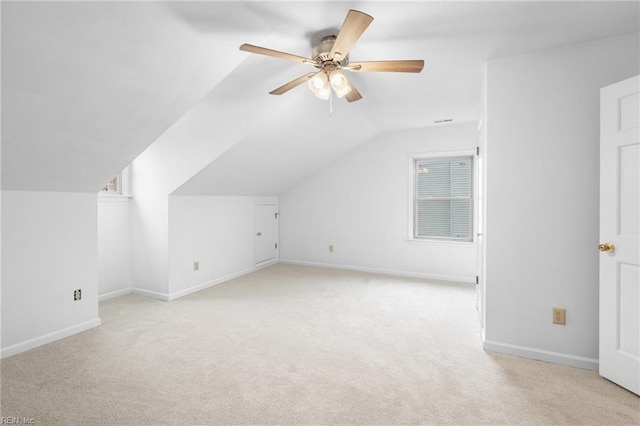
[(88, 86)]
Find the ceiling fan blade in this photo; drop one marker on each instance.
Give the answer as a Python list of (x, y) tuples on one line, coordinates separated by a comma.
[(293, 83), (386, 66), (353, 94), (275, 53), (352, 28)]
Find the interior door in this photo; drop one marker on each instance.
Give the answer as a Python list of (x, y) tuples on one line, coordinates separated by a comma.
[(620, 233), (266, 232)]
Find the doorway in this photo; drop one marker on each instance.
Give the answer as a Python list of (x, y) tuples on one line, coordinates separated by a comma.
[(266, 233)]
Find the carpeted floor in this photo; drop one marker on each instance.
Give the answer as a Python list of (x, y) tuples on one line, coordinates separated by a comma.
[(298, 345)]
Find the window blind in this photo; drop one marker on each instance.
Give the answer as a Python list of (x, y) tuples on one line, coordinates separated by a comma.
[(444, 198)]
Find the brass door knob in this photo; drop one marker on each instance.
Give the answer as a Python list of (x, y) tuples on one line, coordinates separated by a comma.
[(606, 247)]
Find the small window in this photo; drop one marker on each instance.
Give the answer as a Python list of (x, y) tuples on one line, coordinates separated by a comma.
[(113, 186), (443, 198), (119, 185)]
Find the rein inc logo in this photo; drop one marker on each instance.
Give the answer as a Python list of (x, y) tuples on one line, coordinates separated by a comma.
[(5, 420)]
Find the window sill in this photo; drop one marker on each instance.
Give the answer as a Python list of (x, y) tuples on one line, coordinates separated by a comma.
[(113, 198), (441, 243)]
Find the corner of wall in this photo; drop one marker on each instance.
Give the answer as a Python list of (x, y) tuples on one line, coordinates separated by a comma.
[(49, 244), (541, 355), (543, 114)]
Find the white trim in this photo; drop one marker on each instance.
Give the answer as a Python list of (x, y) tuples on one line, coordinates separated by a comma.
[(49, 337), (266, 263), (449, 278), (194, 289), (150, 294), (541, 355), (115, 293), (203, 286)]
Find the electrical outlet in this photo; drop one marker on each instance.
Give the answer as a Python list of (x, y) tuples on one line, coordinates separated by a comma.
[(77, 294), (559, 316), (196, 266), (330, 248)]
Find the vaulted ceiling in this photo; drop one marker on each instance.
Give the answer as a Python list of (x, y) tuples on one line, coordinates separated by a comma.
[(87, 86)]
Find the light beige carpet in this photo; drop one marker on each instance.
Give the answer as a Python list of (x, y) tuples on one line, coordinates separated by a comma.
[(298, 345)]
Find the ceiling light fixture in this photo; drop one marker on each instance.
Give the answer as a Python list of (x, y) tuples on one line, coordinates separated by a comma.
[(331, 56), (339, 83), (319, 85), (322, 83)]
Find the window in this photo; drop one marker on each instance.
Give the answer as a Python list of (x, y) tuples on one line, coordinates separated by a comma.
[(113, 187), (119, 185), (443, 198)]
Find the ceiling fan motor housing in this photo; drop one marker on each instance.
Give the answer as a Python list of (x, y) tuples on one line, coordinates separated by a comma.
[(321, 51)]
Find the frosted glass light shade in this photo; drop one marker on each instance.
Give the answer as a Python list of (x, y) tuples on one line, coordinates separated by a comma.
[(324, 93), (319, 85), (339, 83)]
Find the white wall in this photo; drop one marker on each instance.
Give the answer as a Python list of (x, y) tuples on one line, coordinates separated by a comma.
[(542, 194), (135, 68), (49, 242), (359, 204), (115, 264), (218, 232), (204, 133), (150, 228)]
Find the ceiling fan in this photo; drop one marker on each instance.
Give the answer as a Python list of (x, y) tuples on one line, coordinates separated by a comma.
[(331, 57)]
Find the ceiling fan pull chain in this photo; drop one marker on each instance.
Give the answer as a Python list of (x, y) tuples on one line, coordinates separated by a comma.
[(330, 102)]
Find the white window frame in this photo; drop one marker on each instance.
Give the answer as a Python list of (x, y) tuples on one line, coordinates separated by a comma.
[(411, 198)]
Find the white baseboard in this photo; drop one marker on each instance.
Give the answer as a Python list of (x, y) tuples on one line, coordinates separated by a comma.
[(409, 274), (200, 287), (151, 294), (48, 338), (187, 291), (541, 355), (115, 293)]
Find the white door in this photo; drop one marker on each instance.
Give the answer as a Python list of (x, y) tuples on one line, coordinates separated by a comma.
[(620, 233), (266, 232)]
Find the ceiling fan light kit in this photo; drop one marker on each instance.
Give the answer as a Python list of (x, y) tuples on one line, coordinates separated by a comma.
[(319, 85), (331, 56)]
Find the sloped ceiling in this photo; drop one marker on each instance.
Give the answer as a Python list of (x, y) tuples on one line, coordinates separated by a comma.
[(284, 149), (86, 87)]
